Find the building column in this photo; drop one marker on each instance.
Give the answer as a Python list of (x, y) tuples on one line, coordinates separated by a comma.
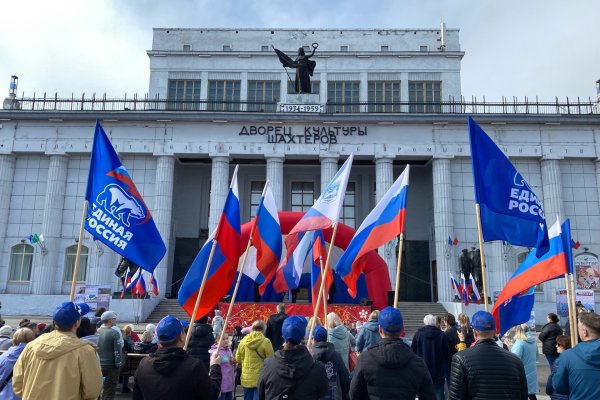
[(275, 177), (553, 207), (162, 214), (329, 167), (384, 178), (47, 276), (443, 223), (7, 174), (552, 188), (597, 162), (218, 189)]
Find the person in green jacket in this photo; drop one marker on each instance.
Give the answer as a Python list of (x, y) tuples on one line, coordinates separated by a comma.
[(251, 354)]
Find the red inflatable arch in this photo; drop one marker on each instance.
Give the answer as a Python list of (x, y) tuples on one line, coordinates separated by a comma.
[(376, 273)]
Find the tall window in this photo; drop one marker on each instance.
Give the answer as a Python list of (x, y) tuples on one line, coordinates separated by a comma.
[(263, 95), (348, 216), (256, 188), (183, 94), (422, 92), (384, 96), (21, 257), (344, 96), (315, 87), (70, 256), (224, 95), (303, 195)]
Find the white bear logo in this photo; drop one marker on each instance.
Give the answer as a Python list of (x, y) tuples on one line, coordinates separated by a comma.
[(120, 204)]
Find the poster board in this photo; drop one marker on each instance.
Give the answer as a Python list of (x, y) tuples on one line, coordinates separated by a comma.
[(95, 296), (585, 296), (587, 271)]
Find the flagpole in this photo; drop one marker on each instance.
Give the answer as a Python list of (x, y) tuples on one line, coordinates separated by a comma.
[(78, 254), (483, 267), (240, 272), (197, 304), (323, 276), (398, 265), (570, 307), (573, 301), (312, 326)]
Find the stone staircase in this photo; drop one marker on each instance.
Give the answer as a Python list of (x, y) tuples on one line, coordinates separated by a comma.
[(166, 307), (413, 313)]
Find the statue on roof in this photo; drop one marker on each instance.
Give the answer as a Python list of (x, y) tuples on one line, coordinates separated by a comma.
[(303, 65)]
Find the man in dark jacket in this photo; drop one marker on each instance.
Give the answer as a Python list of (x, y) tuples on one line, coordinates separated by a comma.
[(578, 369), (451, 332), (486, 371), (171, 373), (430, 343), (548, 336), (390, 370), (337, 373), (274, 324), (292, 373), (201, 341)]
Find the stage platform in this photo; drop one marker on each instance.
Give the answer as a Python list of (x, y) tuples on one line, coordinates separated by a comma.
[(244, 314)]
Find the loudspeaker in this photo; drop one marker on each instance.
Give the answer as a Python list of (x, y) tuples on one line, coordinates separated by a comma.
[(391, 294), (365, 301)]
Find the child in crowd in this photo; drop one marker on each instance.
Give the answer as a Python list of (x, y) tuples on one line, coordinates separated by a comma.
[(227, 368)]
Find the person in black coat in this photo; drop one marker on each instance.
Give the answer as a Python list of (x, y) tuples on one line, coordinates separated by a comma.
[(548, 336), (431, 344), (486, 370), (171, 373), (337, 373), (390, 370), (274, 324), (451, 332), (201, 340), (292, 373)]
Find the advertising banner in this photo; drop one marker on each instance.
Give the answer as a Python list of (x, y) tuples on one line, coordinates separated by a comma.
[(95, 296)]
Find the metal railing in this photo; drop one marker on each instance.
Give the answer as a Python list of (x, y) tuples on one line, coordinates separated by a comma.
[(452, 106)]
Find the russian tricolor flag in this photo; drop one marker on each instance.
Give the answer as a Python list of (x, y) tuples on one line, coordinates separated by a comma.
[(456, 287), (319, 255), (533, 271), (154, 284), (223, 266), (326, 210), (293, 266), (384, 223), (265, 256), (140, 286)]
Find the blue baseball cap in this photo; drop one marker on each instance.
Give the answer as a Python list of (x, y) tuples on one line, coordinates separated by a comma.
[(67, 313), (483, 321), (390, 320), (294, 329), (168, 328), (320, 334)]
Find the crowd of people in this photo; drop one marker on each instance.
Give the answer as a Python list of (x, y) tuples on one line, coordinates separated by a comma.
[(292, 357)]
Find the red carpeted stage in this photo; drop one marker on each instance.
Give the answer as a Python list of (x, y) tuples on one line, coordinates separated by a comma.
[(244, 314)]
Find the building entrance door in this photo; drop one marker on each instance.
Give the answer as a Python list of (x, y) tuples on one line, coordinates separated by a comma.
[(415, 274)]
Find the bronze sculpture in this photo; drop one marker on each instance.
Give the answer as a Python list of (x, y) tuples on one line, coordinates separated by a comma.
[(303, 65), (466, 265)]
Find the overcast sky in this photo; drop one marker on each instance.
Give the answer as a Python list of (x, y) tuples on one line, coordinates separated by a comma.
[(520, 48)]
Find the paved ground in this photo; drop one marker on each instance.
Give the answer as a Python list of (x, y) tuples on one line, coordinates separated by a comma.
[(543, 369)]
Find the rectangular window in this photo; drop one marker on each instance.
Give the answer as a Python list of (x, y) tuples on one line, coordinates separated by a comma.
[(315, 87), (187, 47), (425, 96), (385, 48), (256, 188), (226, 47), (183, 94), (70, 263), (423, 49), (343, 96), (303, 195), (263, 95), (21, 258), (384, 96), (344, 48), (224, 95), (348, 216), (264, 48)]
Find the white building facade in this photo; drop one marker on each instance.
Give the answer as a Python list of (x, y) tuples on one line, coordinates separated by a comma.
[(392, 97)]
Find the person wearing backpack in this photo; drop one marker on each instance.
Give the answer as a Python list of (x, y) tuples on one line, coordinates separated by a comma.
[(292, 373)]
